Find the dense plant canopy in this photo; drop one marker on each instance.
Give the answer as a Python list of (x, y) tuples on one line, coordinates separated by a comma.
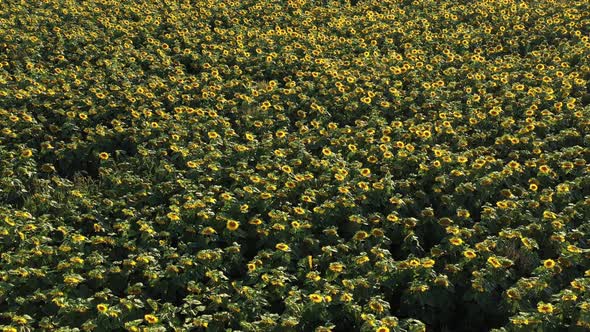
[(292, 166)]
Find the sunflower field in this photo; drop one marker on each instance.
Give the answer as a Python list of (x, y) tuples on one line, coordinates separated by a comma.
[(299, 165)]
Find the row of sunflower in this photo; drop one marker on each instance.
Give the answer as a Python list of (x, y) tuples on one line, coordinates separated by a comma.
[(290, 166)]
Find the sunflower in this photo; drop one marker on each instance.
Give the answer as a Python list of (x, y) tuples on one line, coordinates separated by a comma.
[(544, 169), (27, 153), (336, 267), (232, 225), (315, 298), (208, 231), (545, 308), (376, 306), (377, 232), (299, 210), (456, 241), (414, 262), (287, 169), (102, 308), (280, 133), (493, 261), (470, 254), (265, 195), (346, 297), (513, 293), (428, 263), (360, 235), (549, 263), (362, 260), (392, 217), (173, 216), (282, 247), (151, 319), (569, 297), (255, 221)]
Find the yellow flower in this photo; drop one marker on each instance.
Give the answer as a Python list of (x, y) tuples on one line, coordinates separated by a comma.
[(414, 262), (299, 210), (362, 260), (549, 263), (463, 213), (493, 261), (576, 284), (563, 188), (544, 169), (573, 249), (456, 241), (470, 254), (377, 232), (428, 263), (287, 169), (208, 231), (392, 218), (102, 307), (282, 247), (27, 153), (103, 156), (232, 225), (244, 208), (365, 172), (513, 293), (442, 281), (255, 221), (545, 308), (151, 319), (346, 297), (212, 135), (73, 280), (265, 195), (382, 329), (315, 298), (376, 306), (336, 267), (20, 320), (313, 276), (173, 216), (360, 235)]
